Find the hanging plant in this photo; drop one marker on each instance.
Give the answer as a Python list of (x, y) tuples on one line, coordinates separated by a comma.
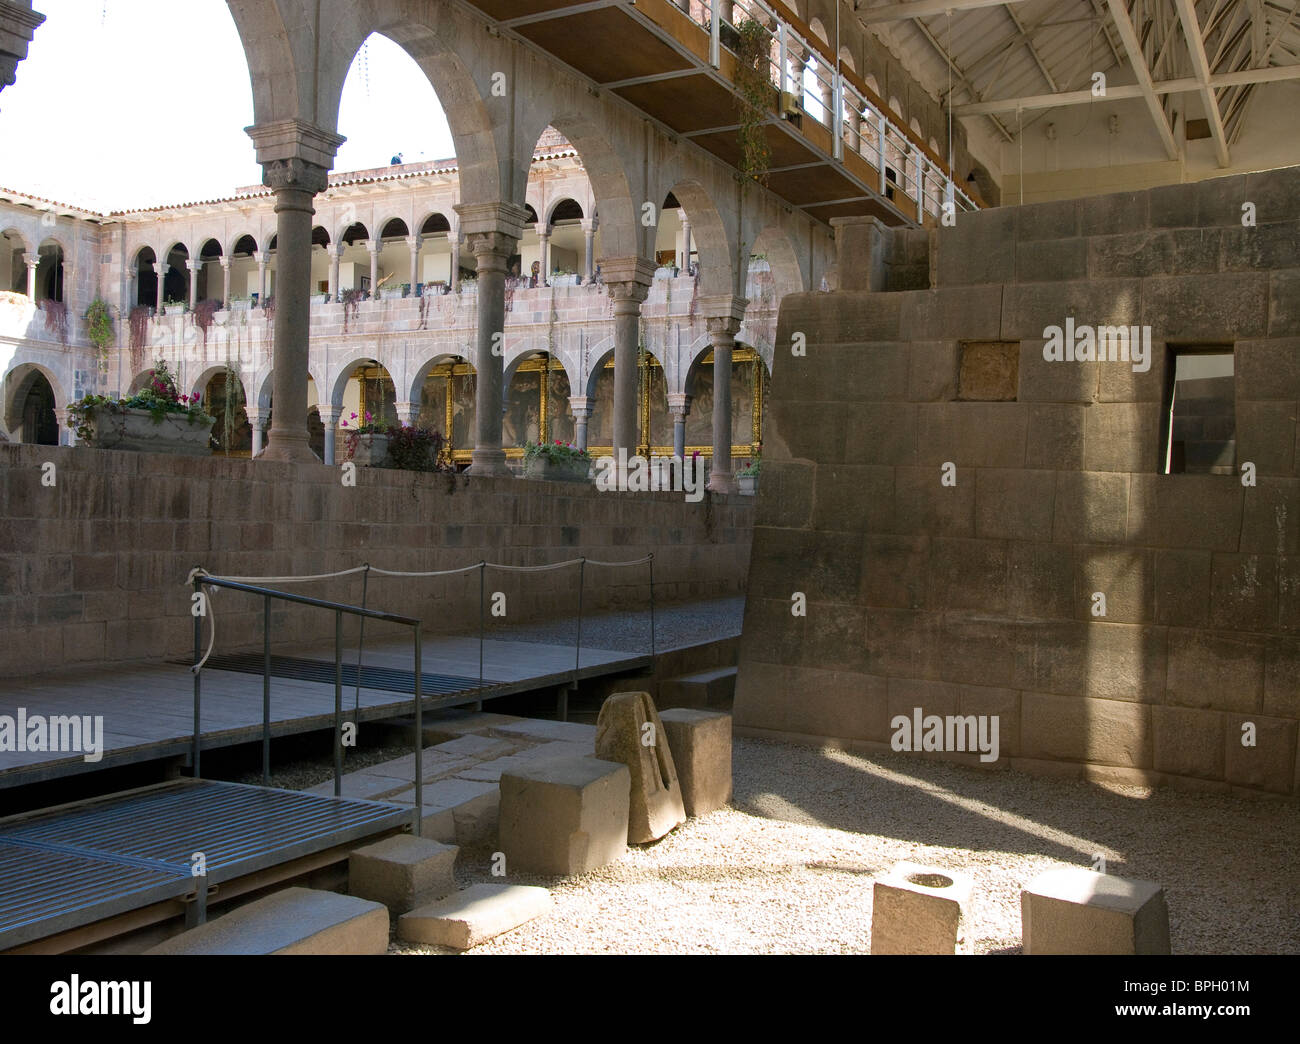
[(204, 314), (351, 301), (56, 319), (755, 99), (99, 329), (138, 322)]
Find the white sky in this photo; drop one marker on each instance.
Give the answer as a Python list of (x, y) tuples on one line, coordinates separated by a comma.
[(129, 103)]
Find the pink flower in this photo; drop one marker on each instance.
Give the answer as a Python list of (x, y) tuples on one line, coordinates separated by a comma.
[(344, 424), (354, 416), (369, 418)]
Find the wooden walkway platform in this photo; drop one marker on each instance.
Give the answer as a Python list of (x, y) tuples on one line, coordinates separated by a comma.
[(147, 708)]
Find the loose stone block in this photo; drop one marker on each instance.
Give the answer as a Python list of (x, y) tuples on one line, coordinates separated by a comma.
[(629, 730), (402, 871), (294, 921), (700, 744), (919, 909), (564, 815), (1073, 910), (473, 916)]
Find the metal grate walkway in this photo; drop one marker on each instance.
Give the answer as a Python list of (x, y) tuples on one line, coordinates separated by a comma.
[(386, 679), (65, 869)]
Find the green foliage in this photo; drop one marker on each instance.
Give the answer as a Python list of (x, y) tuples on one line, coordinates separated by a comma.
[(99, 329), (415, 449), (556, 452), (160, 397), (753, 468), (755, 101)]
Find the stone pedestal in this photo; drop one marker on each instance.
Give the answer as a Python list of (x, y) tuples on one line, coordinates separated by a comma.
[(919, 910), (700, 743), (564, 815), (402, 872), (1073, 910)]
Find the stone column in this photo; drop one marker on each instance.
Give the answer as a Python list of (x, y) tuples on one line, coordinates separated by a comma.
[(69, 288), (454, 239), (414, 243), (492, 231), (722, 335), (261, 259), (336, 251), (589, 249), (543, 245), (407, 413), (580, 407), (329, 416), (195, 267), (161, 269), (67, 427), (628, 280), (295, 158), (374, 268), (225, 280), (679, 405), (686, 241), (33, 262), (256, 418)]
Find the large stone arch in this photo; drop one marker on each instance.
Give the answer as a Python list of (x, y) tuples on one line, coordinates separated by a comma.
[(421, 372), (787, 273), (714, 239), (17, 380)]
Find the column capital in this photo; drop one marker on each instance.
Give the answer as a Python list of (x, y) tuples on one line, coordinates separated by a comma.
[(589, 225), (723, 306), (30, 259), (225, 262), (580, 405), (329, 415), (679, 404), (505, 219), (255, 414), (193, 265), (491, 247), (627, 270), (260, 256), (372, 247), (294, 154), (543, 230), (683, 217), (414, 242), (723, 330)]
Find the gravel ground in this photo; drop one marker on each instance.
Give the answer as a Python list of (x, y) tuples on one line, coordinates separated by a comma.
[(788, 868)]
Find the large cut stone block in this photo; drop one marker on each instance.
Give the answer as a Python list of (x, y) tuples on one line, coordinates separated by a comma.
[(402, 871), (1073, 910), (919, 909), (564, 815), (700, 743), (294, 921), (629, 730), (475, 916)]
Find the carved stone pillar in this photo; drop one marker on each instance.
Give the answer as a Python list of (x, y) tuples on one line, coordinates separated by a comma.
[(414, 243), (329, 417), (589, 249), (492, 231), (628, 280), (33, 261), (543, 254), (374, 269), (295, 158), (723, 325), (225, 282), (580, 407), (195, 268), (162, 270), (679, 406), (261, 258), (335, 251), (256, 418)]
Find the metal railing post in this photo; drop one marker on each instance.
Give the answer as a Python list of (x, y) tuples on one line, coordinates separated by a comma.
[(482, 623), (837, 124), (419, 736), (198, 656), (880, 141), (715, 34), (652, 605), (338, 703), (784, 41), (577, 645), (266, 692)]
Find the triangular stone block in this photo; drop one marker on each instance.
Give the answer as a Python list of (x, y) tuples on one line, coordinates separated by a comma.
[(629, 730)]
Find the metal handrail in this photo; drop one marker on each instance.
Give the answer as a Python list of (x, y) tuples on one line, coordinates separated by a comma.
[(202, 580)]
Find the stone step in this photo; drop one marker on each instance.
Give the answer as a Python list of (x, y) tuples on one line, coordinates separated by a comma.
[(475, 915), (296, 920), (715, 688)]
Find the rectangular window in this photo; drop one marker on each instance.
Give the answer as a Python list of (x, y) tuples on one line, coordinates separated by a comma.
[(1200, 414)]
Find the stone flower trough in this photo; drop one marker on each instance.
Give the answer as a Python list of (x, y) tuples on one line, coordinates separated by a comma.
[(134, 429)]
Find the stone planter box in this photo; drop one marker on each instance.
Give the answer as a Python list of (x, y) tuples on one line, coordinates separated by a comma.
[(371, 451), (136, 430), (550, 471), (748, 484), (175, 309)]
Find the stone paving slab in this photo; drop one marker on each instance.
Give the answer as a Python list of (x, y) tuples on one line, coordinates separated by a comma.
[(473, 916)]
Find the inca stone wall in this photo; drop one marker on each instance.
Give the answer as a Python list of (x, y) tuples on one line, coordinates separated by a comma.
[(93, 568), (979, 597)]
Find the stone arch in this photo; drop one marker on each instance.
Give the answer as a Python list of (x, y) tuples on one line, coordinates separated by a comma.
[(556, 206), (15, 243), (782, 255), (422, 371), (601, 353), (344, 371), (265, 382), (819, 30), (435, 36), (18, 381), (433, 223), (387, 228), (14, 232), (701, 348), (238, 241), (713, 241), (846, 58)]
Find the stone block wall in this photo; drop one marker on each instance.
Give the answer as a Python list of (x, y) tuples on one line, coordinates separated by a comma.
[(93, 569), (977, 597)]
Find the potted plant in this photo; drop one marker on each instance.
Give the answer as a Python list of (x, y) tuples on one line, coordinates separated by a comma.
[(171, 307), (367, 443), (748, 475), (415, 449), (157, 419), (556, 461)]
